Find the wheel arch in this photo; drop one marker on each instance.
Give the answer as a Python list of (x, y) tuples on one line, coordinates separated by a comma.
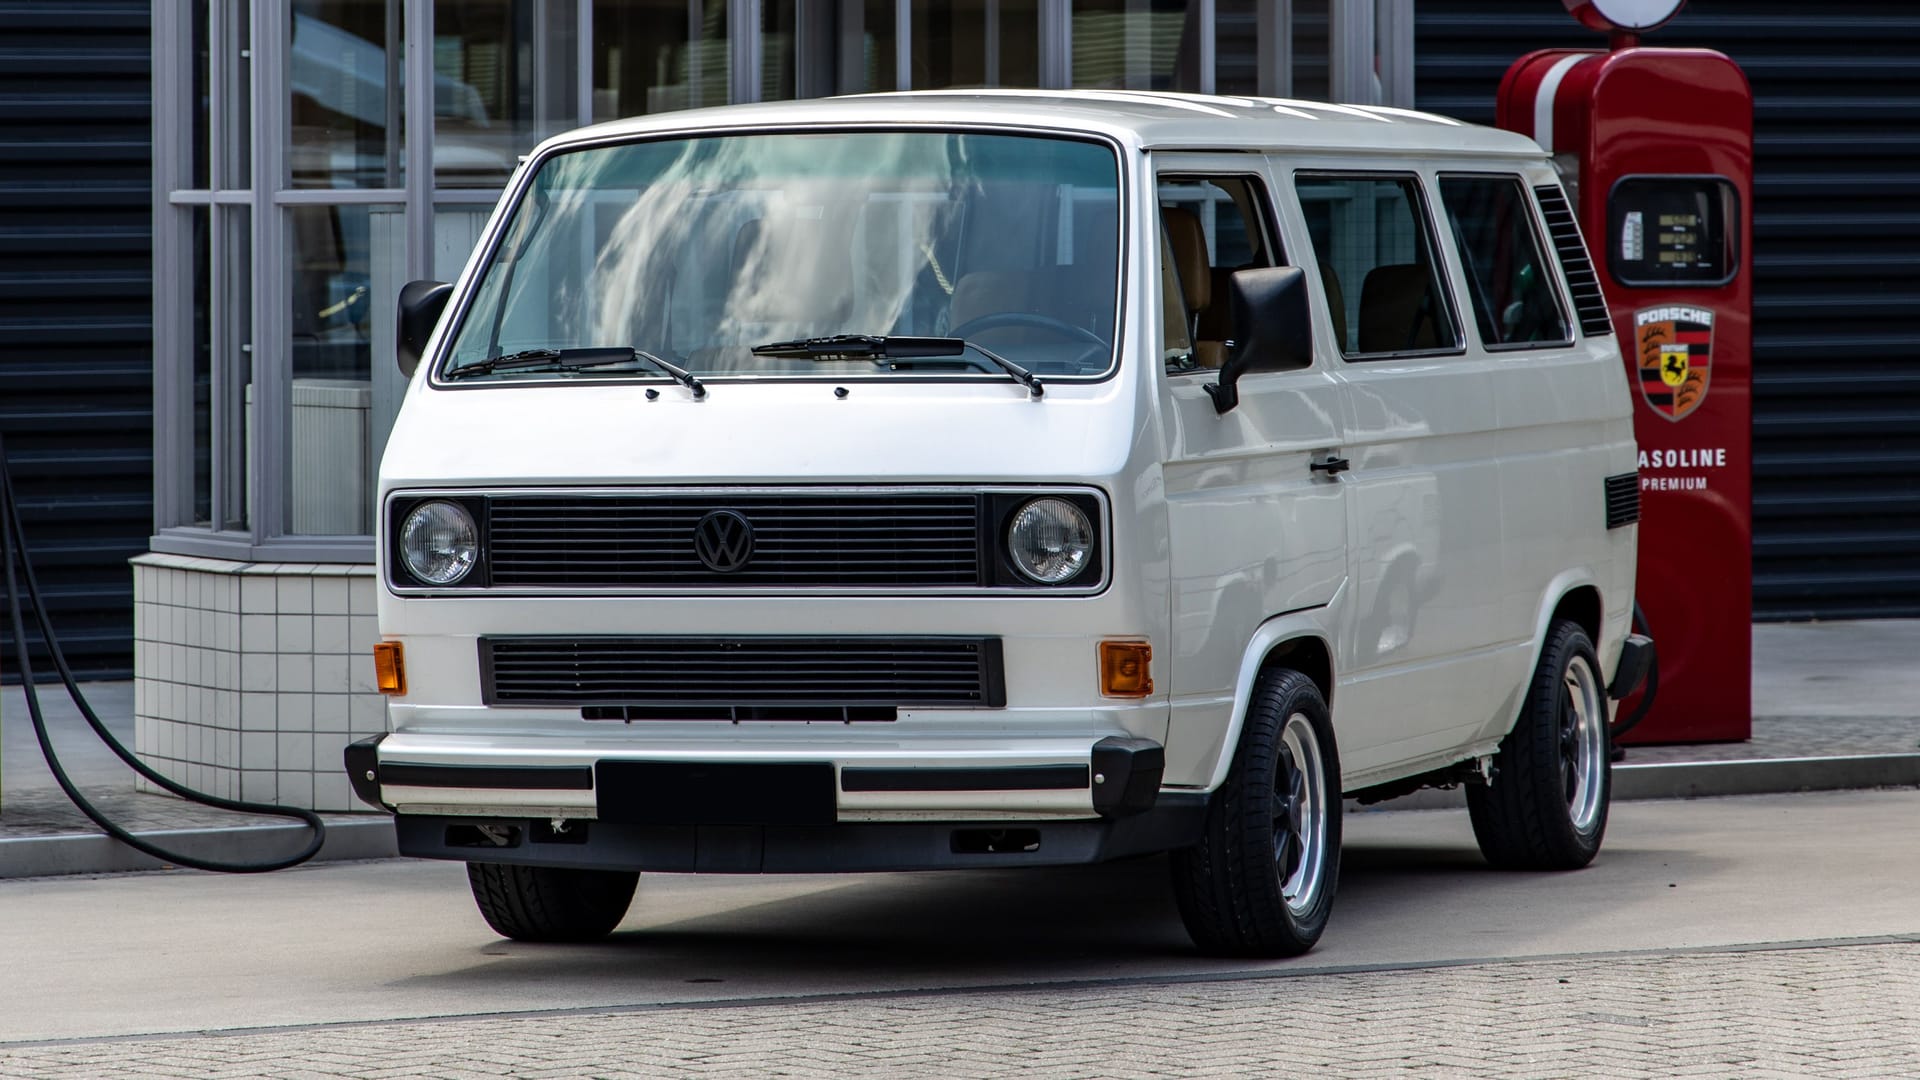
[(1574, 595), (1299, 640), (1580, 605)]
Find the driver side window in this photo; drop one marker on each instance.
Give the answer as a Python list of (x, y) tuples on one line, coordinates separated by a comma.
[(1209, 227)]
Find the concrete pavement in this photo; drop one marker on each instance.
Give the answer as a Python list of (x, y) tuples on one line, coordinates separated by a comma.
[(1836, 705)]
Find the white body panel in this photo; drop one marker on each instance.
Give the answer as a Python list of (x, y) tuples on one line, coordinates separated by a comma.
[(1428, 572)]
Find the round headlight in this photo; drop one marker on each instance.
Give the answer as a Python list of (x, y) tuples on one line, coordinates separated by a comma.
[(1050, 540), (438, 542)]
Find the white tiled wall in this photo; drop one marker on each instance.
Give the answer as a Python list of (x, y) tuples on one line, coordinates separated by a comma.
[(251, 678)]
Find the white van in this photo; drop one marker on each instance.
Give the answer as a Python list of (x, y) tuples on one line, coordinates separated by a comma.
[(1004, 479)]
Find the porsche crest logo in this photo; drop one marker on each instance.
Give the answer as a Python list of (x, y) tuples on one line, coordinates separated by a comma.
[(1676, 357)]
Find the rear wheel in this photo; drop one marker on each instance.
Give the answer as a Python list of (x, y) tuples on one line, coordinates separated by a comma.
[(1262, 881), (544, 903), (1546, 806)]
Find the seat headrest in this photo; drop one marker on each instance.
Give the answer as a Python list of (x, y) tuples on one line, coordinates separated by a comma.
[(1395, 315), (1189, 243)]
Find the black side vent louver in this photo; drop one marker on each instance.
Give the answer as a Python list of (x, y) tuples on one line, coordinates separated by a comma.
[(1623, 499), (1588, 301)]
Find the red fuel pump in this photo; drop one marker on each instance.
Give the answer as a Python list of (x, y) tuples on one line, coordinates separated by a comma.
[(1656, 149)]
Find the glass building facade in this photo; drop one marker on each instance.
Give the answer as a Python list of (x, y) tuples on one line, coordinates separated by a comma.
[(312, 155)]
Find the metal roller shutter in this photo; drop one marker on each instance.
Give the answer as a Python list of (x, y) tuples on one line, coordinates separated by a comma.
[(75, 309), (1836, 430)]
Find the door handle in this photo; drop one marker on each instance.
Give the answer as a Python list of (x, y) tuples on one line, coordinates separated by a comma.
[(1333, 466)]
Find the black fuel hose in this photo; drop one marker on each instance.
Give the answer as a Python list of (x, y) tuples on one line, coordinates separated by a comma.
[(13, 537), (1639, 713)]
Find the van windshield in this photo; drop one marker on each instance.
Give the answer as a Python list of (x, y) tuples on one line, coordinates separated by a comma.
[(696, 250)]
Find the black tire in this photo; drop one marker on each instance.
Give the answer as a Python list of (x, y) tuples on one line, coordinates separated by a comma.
[(544, 903), (1232, 887), (1546, 807)]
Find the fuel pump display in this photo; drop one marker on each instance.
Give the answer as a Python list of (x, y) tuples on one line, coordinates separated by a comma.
[(1657, 147), (1664, 230)]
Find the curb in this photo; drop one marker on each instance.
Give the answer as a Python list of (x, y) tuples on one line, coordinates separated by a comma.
[(96, 853), (1705, 779), (372, 837)]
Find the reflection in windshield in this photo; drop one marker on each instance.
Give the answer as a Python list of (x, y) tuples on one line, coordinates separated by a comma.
[(698, 249)]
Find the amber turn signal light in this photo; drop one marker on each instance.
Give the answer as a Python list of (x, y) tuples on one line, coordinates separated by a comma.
[(1126, 669), (389, 667)]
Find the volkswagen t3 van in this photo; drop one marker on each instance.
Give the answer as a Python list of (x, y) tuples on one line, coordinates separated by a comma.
[(993, 479)]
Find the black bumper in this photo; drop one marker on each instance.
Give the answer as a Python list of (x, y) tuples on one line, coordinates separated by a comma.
[(1175, 821), (363, 770), (1636, 657)]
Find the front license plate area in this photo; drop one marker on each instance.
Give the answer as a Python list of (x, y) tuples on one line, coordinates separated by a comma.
[(698, 793)]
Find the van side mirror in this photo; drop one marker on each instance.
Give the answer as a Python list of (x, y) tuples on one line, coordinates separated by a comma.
[(421, 303), (1272, 328)]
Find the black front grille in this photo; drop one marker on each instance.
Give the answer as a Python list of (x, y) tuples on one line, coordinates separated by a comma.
[(758, 675), (1623, 499), (843, 540), (1588, 301)]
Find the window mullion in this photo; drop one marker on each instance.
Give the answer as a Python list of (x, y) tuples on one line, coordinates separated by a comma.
[(172, 58), (217, 345), (269, 448), (1207, 50), (1056, 43), (583, 60), (418, 35), (1274, 40), (903, 44)]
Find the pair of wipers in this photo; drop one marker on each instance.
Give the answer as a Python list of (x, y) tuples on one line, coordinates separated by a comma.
[(896, 351)]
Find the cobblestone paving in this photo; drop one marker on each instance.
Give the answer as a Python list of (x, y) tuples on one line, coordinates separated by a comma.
[(1796, 737), (1837, 1011)]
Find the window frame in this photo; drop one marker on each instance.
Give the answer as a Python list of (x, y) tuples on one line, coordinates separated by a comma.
[(1436, 259), (1544, 250), (1269, 225)]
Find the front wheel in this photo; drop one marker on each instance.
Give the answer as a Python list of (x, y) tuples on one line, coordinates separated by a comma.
[(1546, 806), (544, 903), (1261, 882)]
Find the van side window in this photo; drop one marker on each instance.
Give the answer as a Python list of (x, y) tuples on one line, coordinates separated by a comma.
[(1509, 281), (1209, 227), (1375, 252)]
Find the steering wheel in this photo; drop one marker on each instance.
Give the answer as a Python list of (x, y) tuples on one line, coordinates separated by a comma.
[(1031, 320)]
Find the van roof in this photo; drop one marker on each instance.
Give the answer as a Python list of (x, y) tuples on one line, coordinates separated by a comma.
[(1147, 119)]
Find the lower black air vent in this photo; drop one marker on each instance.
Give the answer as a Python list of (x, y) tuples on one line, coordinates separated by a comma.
[(748, 677)]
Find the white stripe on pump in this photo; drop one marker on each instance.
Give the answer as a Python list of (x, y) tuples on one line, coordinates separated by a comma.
[(1543, 99)]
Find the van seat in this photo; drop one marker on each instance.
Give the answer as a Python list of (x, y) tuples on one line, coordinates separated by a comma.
[(1397, 310), (1188, 241)]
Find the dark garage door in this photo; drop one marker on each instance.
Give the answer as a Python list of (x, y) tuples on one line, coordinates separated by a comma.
[(75, 343)]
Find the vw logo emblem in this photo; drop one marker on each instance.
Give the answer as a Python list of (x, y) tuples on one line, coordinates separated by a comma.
[(724, 541)]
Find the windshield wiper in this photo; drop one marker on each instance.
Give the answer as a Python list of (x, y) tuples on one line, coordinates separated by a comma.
[(894, 347), (578, 360)]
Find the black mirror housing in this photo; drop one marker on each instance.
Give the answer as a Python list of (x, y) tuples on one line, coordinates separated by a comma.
[(421, 303), (1272, 328)]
